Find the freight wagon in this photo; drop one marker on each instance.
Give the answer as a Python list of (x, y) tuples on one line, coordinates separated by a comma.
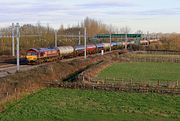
[(65, 51)]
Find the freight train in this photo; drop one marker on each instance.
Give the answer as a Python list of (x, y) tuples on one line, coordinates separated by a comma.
[(41, 55)]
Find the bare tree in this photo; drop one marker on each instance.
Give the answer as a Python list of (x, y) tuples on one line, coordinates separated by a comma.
[(139, 32), (125, 30), (94, 27)]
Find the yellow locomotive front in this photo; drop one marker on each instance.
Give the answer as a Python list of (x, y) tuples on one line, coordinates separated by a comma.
[(32, 55)]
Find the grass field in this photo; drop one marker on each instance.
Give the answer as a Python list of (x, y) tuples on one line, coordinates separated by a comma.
[(143, 71), (76, 105)]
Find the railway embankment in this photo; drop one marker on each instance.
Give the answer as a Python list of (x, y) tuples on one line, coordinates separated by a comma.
[(16, 85), (82, 71)]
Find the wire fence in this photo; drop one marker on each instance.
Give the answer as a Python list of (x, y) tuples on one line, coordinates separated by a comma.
[(159, 59), (152, 57), (122, 81), (163, 52), (14, 90)]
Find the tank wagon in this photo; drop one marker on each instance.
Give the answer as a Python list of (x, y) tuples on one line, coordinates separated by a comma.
[(65, 51), (153, 41), (144, 42), (79, 50), (91, 49), (119, 45), (106, 46), (99, 47), (113, 45)]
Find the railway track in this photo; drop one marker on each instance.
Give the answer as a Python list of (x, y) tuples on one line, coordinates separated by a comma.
[(9, 69), (6, 65), (12, 70)]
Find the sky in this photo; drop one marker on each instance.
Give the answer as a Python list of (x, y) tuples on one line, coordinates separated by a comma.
[(146, 15)]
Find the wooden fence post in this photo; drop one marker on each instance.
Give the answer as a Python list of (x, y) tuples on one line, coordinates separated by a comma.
[(15, 90), (131, 82), (83, 78), (7, 94), (158, 83), (177, 83)]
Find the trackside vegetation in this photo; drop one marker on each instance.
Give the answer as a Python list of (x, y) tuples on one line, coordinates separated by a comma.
[(55, 104)]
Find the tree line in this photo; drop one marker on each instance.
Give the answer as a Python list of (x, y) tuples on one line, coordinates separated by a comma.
[(38, 36), (170, 41)]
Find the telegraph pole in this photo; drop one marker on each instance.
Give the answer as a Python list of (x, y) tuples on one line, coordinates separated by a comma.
[(110, 41), (13, 48), (79, 37), (85, 43), (126, 41), (55, 38), (147, 35), (17, 44)]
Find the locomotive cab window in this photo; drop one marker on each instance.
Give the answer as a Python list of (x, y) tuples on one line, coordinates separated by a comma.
[(31, 53)]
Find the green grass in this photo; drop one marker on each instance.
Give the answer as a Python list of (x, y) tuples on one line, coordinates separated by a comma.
[(143, 71), (82, 105)]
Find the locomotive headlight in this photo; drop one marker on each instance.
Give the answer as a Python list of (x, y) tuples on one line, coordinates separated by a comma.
[(31, 58)]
